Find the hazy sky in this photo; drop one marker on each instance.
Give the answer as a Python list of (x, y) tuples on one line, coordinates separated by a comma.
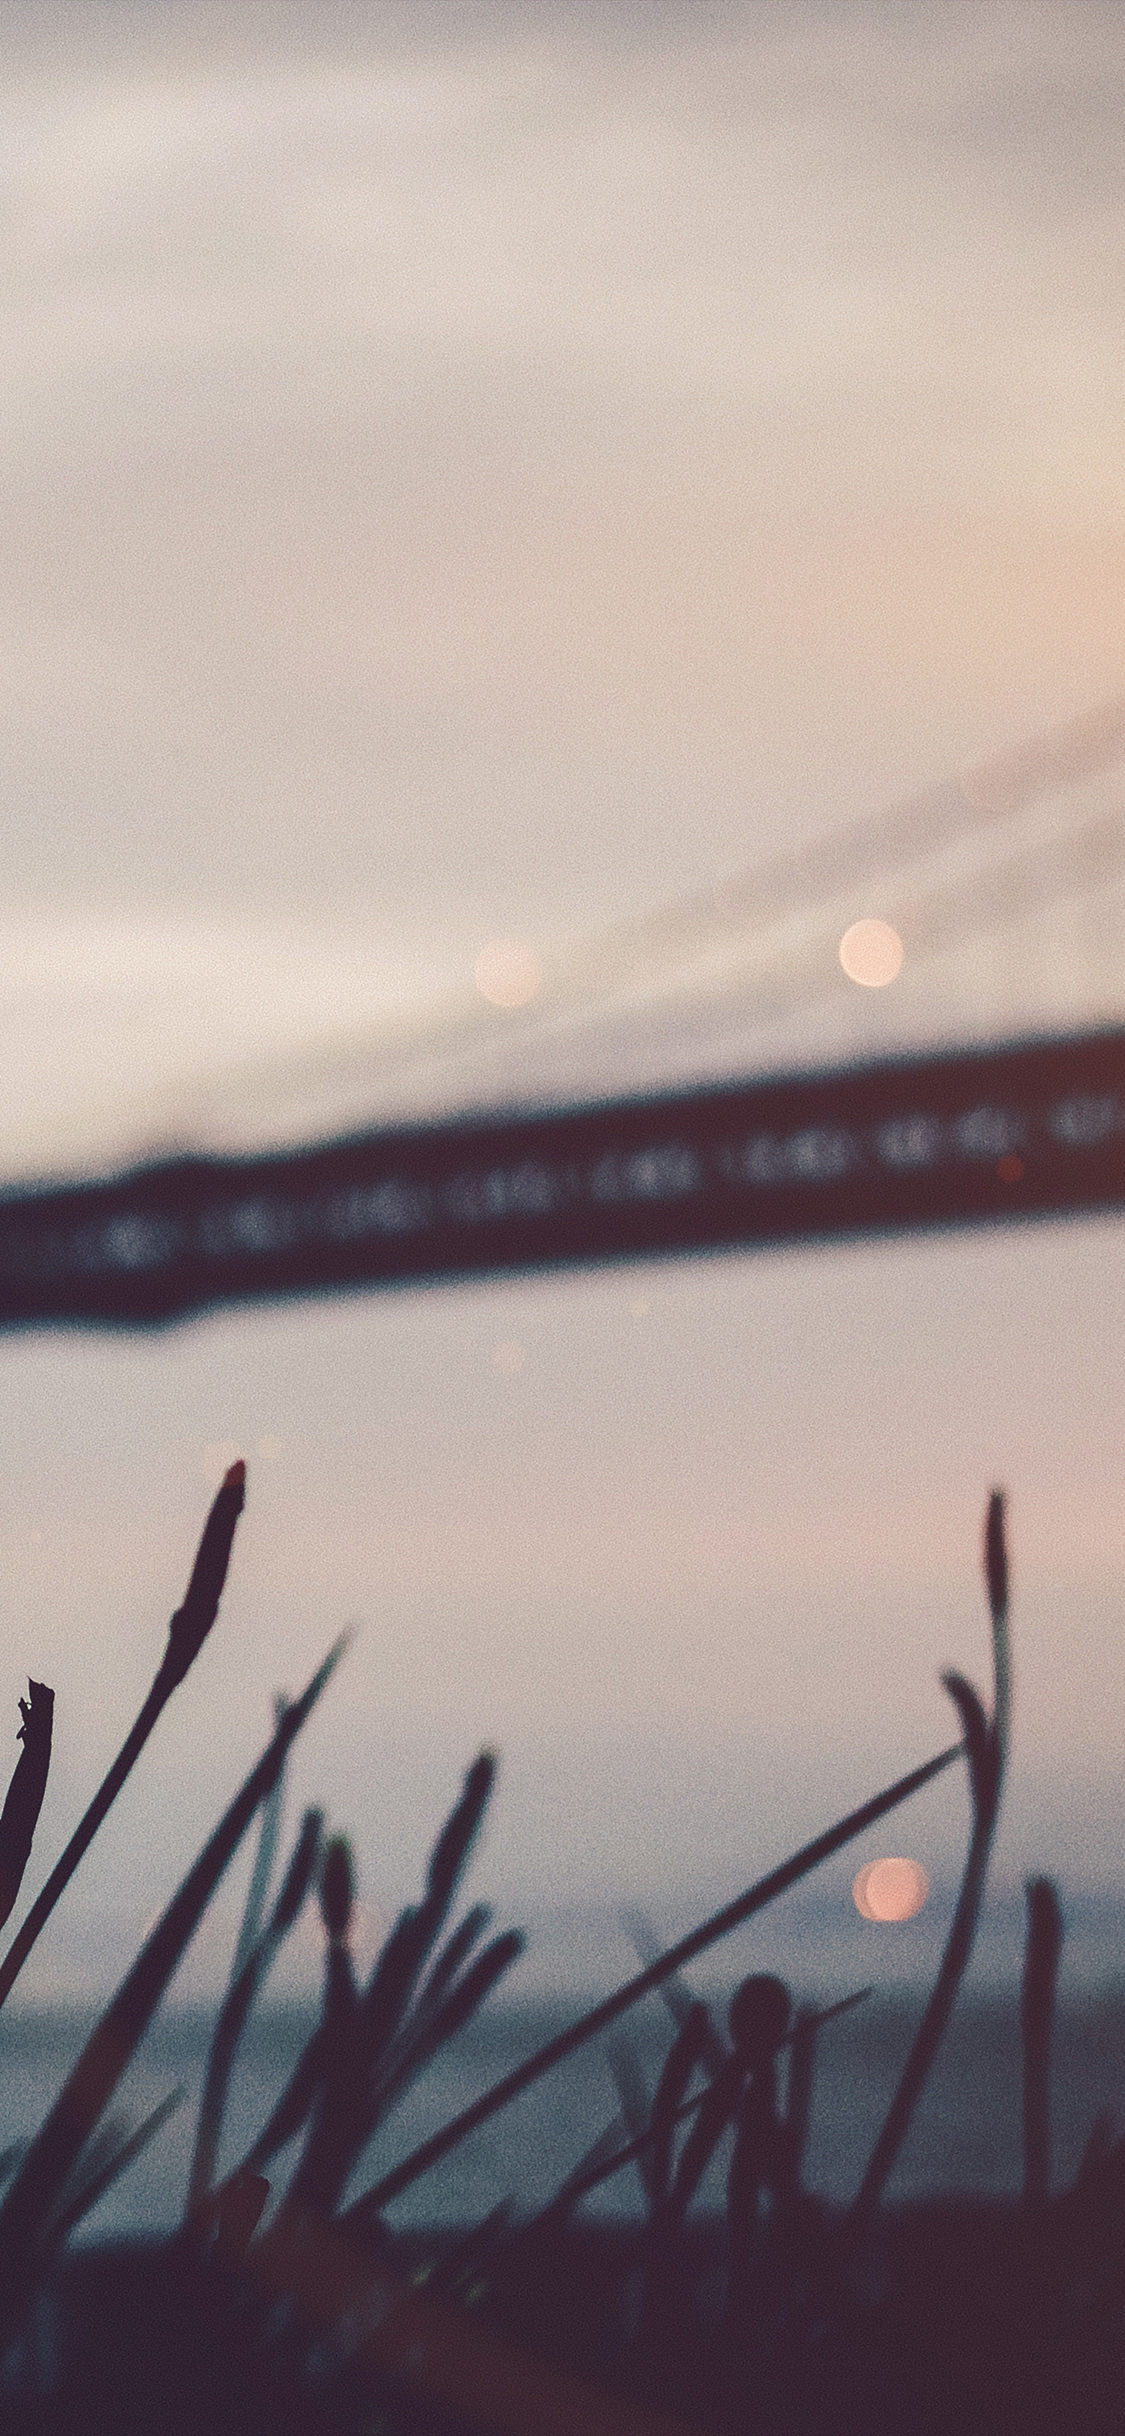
[(497, 480), (494, 480)]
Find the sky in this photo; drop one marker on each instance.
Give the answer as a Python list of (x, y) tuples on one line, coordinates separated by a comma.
[(489, 480)]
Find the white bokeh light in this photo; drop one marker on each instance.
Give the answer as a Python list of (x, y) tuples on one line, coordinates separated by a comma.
[(871, 953)]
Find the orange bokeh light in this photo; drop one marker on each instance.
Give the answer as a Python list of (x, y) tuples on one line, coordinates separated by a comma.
[(893, 1889)]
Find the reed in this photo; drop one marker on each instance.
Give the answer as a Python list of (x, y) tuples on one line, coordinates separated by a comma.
[(298, 2243), (986, 1750), (1037, 2009), (720, 1924), (253, 1958), (187, 1633), (20, 1815), (28, 2205), (370, 2043)]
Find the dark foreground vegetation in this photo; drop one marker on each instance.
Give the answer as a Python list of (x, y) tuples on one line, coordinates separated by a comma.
[(286, 2301)]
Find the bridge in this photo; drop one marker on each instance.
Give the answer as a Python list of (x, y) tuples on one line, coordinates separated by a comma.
[(914, 1138)]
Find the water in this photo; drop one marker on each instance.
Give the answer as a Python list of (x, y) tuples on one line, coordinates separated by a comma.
[(967, 2134)]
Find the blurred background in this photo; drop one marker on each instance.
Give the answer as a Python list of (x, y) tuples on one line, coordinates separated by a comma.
[(474, 491)]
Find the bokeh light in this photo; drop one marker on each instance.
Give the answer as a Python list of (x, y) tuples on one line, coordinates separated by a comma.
[(893, 1889), (507, 973), (871, 953)]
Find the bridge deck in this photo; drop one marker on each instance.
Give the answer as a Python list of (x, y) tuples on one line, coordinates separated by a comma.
[(984, 1135)]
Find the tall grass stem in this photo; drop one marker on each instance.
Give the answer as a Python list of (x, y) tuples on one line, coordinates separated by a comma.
[(186, 1634), (696, 1942)]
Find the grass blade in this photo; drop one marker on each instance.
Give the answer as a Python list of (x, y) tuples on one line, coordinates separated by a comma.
[(262, 1872), (338, 2128), (350, 2114), (413, 1936), (385, 2078), (687, 2050), (985, 1783), (1037, 2012), (677, 1996), (606, 2160), (986, 1749), (192, 1622), (463, 2000), (996, 1575), (708, 1933), (9, 2159), (20, 1815), (466, 1997), (636, 2104), (799, 2096), (458, 1946), (186, 1634), (292, 2109), (455, 1843), (235, 2012), (116, 2164), (398, 2059), (29, 2203)]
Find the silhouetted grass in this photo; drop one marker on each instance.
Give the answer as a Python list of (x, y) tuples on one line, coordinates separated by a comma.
[(20, 1815), (27, 2208), (256, 1951), (1041, 1966), (370, 2043), (696, 1942), (187, 1632), (986, 1748), (288, 2304)]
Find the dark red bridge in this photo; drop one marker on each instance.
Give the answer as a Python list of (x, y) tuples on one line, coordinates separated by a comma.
[(1033, 1130)]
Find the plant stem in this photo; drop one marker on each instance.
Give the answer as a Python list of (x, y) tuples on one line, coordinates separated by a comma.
[(1040, 1975), (186, 1634), (30, 2201), (720, 1925)]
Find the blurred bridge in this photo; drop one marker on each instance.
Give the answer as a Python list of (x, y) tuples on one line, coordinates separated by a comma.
[(889, 1136), (1032, 1131)]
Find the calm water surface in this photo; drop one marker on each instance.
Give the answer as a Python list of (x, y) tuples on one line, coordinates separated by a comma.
[(967, 2134)]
